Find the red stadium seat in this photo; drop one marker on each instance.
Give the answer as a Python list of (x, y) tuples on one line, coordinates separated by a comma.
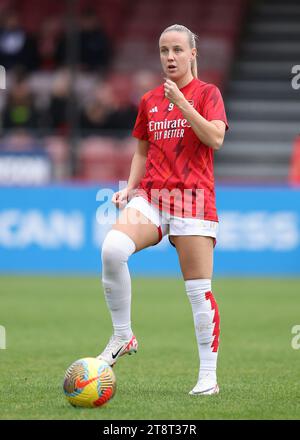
[(121, 85), (59, 151), (126, 149), (294, 172), (98, 159)]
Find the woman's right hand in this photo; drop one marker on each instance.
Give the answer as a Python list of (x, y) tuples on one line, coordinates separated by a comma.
[(120, 198)]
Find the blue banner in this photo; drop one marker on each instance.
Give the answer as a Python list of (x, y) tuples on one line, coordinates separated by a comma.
[(60, 229)]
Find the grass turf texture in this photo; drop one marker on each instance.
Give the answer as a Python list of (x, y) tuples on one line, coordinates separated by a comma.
[(51, 322)]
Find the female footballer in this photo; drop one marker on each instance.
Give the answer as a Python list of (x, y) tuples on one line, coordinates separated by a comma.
[(171, 191)]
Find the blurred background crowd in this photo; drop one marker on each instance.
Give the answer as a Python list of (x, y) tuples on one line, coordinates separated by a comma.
[(76, 70)]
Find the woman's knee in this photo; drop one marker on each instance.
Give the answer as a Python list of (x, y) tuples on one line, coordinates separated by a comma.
[(117, 248)]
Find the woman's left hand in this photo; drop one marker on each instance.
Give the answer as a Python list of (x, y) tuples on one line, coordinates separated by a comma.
[(172, 92)]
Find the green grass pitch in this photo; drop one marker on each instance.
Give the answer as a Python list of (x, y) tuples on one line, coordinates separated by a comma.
[(50, 322)]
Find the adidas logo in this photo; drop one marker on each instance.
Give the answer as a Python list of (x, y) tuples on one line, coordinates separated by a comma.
[(153, 110)]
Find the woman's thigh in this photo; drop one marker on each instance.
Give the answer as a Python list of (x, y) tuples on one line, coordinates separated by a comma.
[(195, 253), (139, 228)]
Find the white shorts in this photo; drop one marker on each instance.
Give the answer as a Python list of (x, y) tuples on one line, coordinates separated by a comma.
[(168, 224)]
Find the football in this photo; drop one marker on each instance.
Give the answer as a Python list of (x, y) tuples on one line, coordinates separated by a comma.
[(89, 382)]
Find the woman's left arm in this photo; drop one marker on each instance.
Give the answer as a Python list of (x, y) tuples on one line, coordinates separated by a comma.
[(210, 133)]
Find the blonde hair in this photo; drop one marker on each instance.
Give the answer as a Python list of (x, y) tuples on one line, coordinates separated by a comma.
[(192, 38)]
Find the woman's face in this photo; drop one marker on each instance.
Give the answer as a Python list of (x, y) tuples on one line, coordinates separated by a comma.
[(176, 54)]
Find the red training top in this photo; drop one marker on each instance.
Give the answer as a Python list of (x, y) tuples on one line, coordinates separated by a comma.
[(177, 160)]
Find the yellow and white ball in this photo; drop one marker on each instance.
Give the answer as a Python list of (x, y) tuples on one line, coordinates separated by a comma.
[(89, 382)]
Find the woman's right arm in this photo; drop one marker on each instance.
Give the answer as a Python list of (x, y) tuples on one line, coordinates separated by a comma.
[(137, 172)]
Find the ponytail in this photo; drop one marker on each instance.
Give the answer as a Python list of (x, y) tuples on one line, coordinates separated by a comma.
[(194, 68)]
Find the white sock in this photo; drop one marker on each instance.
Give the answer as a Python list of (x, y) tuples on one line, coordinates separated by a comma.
[(207, 325), (116, 249)]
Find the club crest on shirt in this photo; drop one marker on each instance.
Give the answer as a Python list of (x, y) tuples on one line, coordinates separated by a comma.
[(191, 101)]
